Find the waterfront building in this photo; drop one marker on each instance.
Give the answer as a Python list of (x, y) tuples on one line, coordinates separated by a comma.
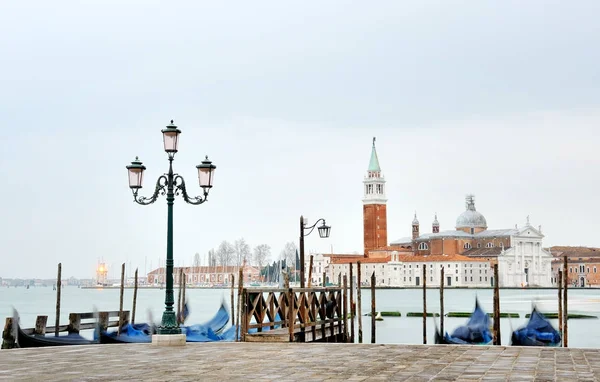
[(583, 265), (470, 246), (206, 275)]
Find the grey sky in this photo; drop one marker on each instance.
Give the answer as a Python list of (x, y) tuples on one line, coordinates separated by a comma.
[(499, 99)]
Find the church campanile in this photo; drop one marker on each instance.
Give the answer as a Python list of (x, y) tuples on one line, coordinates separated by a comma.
[(374, 206)]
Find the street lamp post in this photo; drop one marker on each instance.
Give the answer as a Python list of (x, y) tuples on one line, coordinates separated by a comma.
[(170, 184), (323, 229)]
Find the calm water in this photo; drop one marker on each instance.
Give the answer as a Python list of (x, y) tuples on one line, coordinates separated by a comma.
[(393, 330)]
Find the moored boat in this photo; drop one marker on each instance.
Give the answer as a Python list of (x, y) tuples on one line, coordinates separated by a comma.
[(25, 340), (475, 332), (538, 332)]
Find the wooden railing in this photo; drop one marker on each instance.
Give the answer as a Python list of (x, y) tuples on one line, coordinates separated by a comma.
[(307, 314)]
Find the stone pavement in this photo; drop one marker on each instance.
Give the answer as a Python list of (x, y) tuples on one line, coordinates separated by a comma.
[(299, 362)]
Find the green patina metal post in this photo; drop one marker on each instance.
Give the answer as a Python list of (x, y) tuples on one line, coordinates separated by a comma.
[(169, 320), (170, 184)]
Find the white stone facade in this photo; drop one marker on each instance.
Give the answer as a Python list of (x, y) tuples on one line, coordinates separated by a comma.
[(525, 263)]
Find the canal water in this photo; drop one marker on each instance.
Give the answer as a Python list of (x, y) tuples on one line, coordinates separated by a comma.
[(203, 304)]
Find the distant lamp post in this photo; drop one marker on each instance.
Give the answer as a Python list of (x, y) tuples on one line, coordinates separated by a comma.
[(170, 184), (324, 231)]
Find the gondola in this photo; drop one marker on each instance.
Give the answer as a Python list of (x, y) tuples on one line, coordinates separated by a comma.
[(210, 331), (25, 340), (538, 332), (475, 332)]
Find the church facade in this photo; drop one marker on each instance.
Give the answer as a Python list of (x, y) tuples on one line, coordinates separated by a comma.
[(467, 253)]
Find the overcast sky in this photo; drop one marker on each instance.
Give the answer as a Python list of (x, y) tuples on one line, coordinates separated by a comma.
[(496, 98)]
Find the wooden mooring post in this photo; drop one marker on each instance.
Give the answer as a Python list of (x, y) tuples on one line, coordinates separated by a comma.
[(565, 306), (310, 267), (560, 305), (121, 299), (345, 309), (497, 339), (373, 280), (135, 290), (239, 305), (442, 301), (9, 337), (352, 310), (324, 284), (58, 285), (359, 303), (40, 325), (232, 277), (424, 304)]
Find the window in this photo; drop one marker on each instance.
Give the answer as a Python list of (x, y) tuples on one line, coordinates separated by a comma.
[(471, 278), (486, 279), (468, 246), (409, 279), (472, 231), (456, 278), (588, 269), (423, 246), (465, 279), (594, 269), (456, 270), (479, 280), (394, 269), (489, 245), (404, 280), (570, 270), (478, 245), (430, 279)]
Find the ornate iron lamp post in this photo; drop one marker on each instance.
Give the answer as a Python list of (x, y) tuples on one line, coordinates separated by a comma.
[(170, 184), (323, 229)]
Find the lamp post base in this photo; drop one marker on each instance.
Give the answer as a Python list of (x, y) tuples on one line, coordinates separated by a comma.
[(168, 324), (168, 340)]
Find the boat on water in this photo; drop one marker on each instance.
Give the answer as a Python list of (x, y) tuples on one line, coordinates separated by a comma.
[(475, 332), (538, 332), (210, 331)]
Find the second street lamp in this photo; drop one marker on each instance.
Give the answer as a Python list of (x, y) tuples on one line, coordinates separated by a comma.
[(170, 184), (324, 231)]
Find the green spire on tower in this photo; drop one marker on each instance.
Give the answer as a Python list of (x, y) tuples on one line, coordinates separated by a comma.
[(374, 162)]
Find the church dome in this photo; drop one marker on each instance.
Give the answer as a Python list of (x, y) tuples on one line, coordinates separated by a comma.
[(471, 218)]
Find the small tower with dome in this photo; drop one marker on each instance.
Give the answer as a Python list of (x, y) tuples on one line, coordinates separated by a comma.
[(471, 221), (435, 226), (415, 227)]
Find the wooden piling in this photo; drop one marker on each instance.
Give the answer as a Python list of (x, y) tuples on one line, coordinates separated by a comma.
[(74, 323), (358, 303), (232, 277), (103, 321), (290, 313), (373, 306), (442, 301), (40, 325), (340, 279), (9, 337), (310, 267), (135, 289), (497, 338), (565, 306), (345, 309), (183, 297), (424, 304), (58, 287), (240, 289), (121, 298), (324, 284), (352, 310), (560, 305)]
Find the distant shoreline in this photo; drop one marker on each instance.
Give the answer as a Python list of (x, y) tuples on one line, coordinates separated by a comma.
[(364, 287)]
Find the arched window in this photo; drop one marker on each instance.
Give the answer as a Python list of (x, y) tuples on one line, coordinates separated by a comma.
[(423, 246), (478, 245), (468, 246), (489, 245)]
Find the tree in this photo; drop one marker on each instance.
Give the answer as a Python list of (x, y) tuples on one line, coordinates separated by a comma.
[(212, 258), (241, 251), (288, 253), (225, 253), (261, 254), (197, 261)]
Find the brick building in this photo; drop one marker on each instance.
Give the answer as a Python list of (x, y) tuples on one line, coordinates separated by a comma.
[(583, 265)]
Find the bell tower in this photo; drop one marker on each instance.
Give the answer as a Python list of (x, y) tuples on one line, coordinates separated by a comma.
[(374, 206)]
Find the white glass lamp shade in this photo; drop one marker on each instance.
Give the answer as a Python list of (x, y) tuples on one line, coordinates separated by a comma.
[(136, 174), (171, 138), (206, 174), (324, 230)]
